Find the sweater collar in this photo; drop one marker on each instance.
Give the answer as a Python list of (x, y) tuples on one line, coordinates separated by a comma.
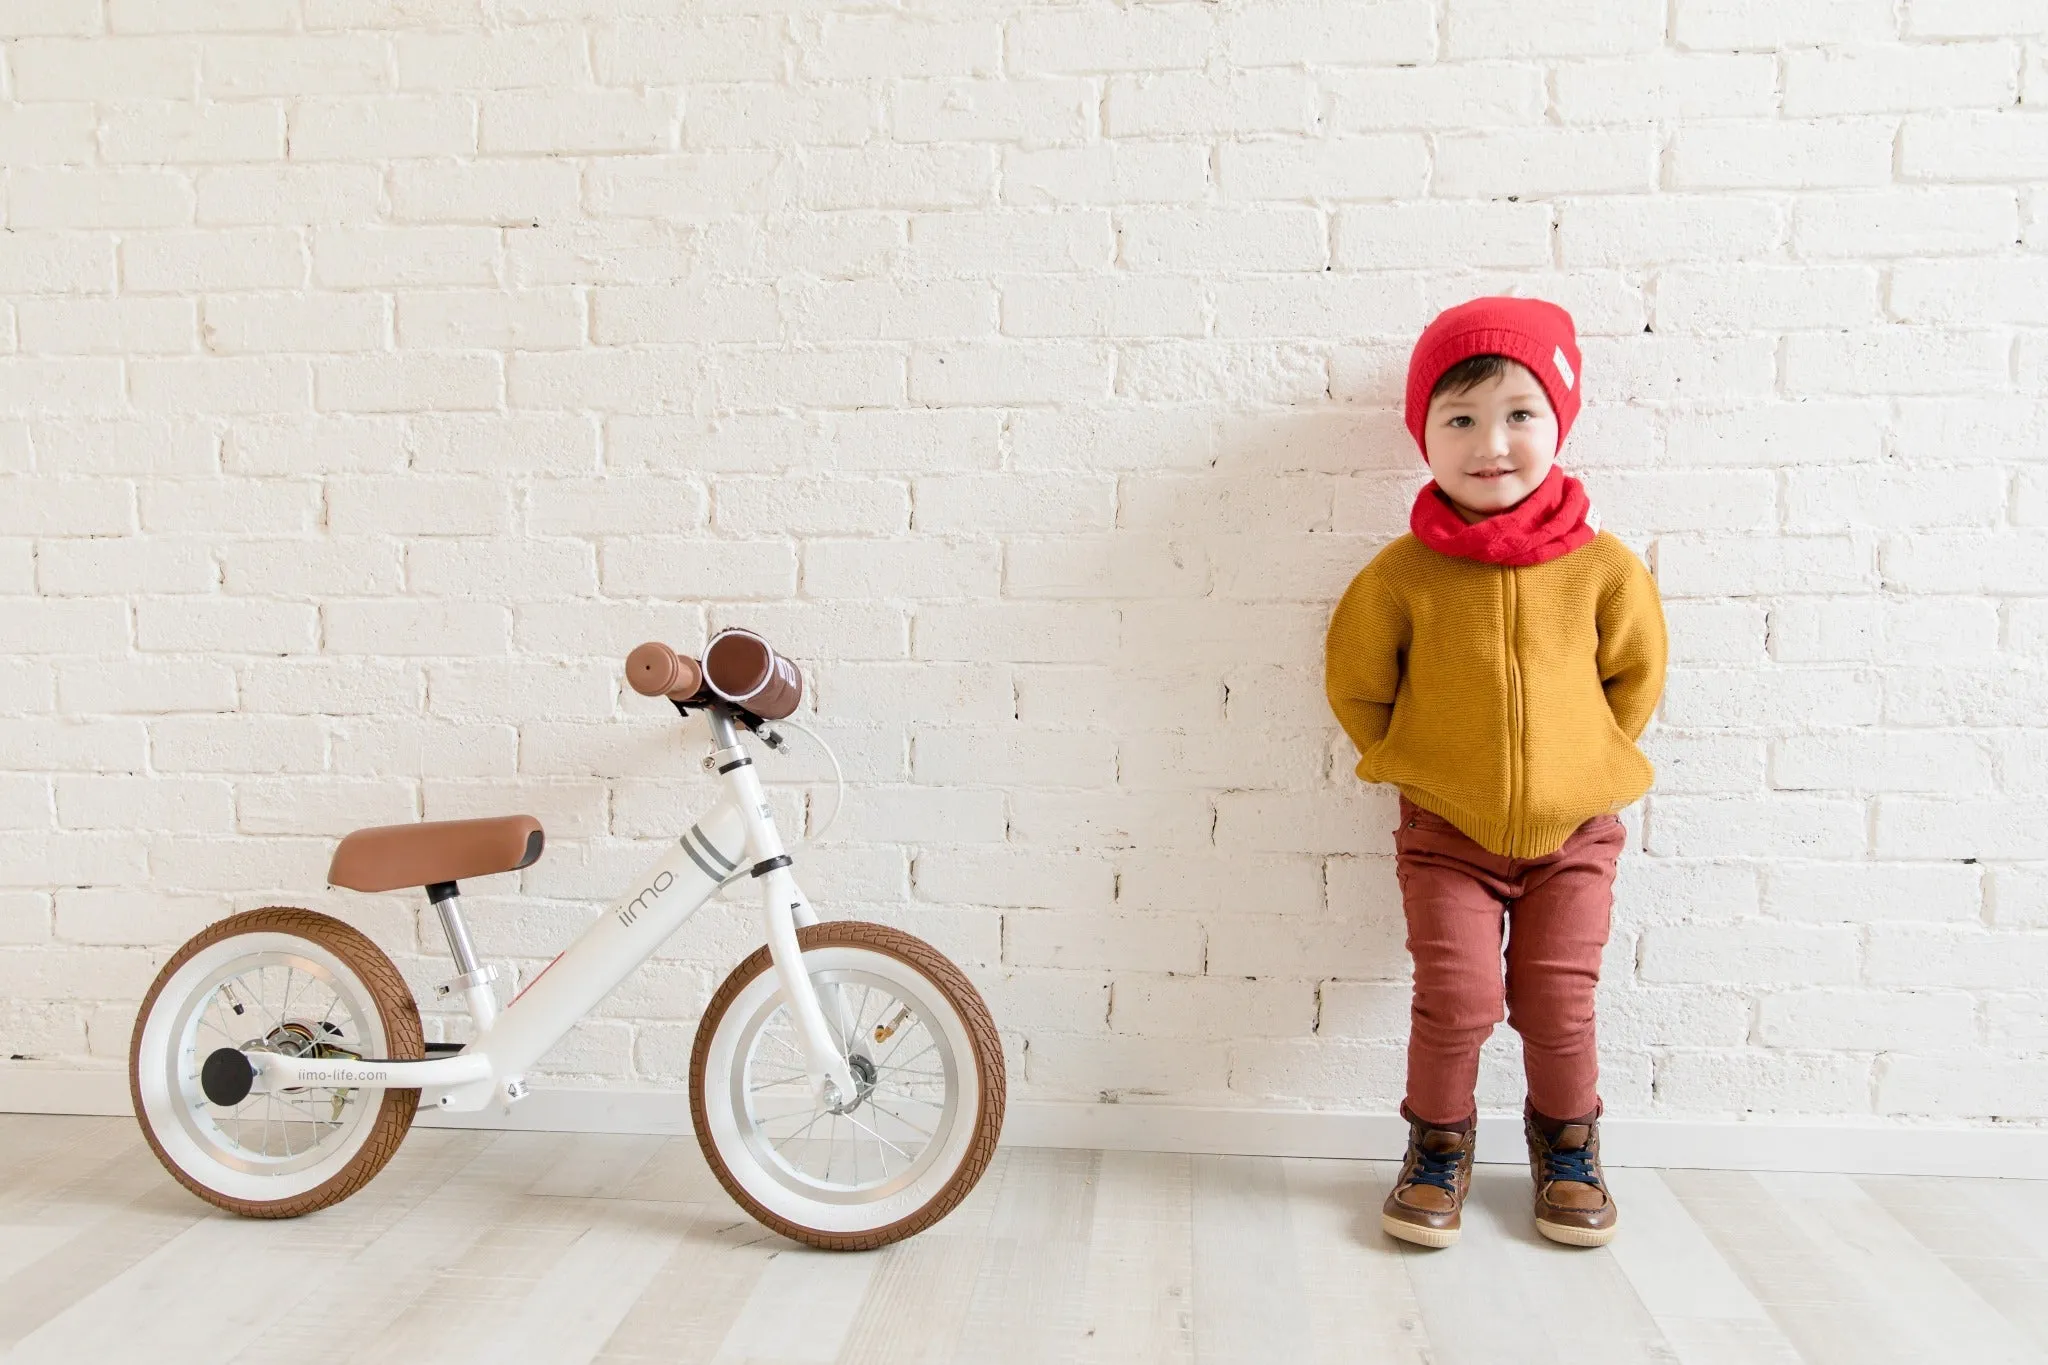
[(1554, 520)]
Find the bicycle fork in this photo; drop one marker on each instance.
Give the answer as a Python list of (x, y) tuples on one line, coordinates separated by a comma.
[(783, 909)]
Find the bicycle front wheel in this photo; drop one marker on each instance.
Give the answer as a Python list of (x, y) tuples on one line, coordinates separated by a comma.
[(833, 1173)]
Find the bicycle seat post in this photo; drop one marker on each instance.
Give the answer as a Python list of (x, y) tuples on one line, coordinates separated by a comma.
[(471, 979)]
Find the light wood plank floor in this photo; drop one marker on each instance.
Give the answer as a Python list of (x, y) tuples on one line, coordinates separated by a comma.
[(543, 1247)]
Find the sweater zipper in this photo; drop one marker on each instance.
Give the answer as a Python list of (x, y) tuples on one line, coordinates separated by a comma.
[(1514, 700)]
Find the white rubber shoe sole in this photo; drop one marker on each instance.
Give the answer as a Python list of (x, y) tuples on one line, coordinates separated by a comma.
[(1420, 1236), (1578, 1237)]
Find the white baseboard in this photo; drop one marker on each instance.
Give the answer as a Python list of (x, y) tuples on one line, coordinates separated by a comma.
[(1845, 1147)]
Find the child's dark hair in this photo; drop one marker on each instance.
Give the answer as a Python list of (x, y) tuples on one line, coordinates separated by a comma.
[(1470, 373)]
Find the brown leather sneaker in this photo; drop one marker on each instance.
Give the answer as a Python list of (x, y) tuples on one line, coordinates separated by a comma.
[(1435, 1177), (1573, 1205)]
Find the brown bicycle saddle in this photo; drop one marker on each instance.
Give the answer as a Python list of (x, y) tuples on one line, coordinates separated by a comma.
[(392, 856)]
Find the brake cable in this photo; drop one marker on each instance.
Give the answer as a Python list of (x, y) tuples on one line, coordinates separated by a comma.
[(772, 740)]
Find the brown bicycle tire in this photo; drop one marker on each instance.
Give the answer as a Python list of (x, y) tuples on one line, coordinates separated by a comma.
[(987, 1045), (404, 1041)]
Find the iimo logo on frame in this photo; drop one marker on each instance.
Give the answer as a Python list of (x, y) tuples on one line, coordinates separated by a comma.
[(630, 911)]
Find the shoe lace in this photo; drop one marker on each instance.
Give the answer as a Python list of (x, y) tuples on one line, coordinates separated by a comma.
[(1574, 1164), (1437, 1168)]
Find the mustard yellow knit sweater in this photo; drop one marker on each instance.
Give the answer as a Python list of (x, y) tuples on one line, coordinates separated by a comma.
[(1507, 700)]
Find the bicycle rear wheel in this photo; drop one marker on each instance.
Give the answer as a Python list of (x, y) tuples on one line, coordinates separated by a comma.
[(274, 980), (850, 1176)]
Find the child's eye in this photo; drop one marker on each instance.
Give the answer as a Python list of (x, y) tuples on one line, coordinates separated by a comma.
[(1523, 414), (1459, 421)]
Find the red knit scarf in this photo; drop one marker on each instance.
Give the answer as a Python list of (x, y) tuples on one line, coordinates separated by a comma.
[(1554, 520)]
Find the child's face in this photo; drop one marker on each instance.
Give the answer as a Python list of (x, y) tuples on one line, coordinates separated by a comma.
[(1490, 446)]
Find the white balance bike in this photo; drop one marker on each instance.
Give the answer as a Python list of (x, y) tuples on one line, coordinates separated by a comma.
[(846, 1083)]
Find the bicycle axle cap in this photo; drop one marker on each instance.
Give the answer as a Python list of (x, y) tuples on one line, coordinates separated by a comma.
[(227, 1077), (864, 1074)]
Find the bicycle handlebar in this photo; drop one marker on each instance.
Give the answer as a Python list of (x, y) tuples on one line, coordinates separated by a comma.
[(655, 670), (739, 669)]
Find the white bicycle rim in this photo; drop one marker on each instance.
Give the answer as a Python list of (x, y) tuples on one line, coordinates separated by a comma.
[(889, 1178), (189, 1018)]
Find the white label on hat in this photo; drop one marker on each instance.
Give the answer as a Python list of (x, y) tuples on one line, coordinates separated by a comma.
[(1564, 367)]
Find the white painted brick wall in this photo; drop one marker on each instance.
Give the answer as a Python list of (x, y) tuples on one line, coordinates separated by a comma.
[(373, 376)]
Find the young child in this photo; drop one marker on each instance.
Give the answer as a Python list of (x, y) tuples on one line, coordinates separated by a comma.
[(1497, 665)]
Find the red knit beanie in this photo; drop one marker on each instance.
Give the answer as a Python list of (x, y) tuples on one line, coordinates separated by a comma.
[(1531, 332)]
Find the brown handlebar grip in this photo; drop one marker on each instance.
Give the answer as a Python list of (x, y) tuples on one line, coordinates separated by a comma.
[(655, 670)]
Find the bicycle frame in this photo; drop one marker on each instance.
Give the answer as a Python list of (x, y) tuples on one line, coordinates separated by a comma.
[(737, 838)]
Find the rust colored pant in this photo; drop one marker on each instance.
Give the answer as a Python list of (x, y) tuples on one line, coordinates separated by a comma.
[(1458, 898)]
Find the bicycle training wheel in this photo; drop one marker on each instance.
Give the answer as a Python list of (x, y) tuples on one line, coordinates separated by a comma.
[(273, 980), (913, 1141)]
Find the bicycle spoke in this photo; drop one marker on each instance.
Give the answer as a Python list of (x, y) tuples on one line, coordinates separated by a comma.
[(801, 1131), (295, 1107), (909, 1070), (260, 1002), (236, 1116), (921, 1132), (777, 1074), (214, 1004), (912, 1027), (884, 1063), (792, 1051), (880, 1140)]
